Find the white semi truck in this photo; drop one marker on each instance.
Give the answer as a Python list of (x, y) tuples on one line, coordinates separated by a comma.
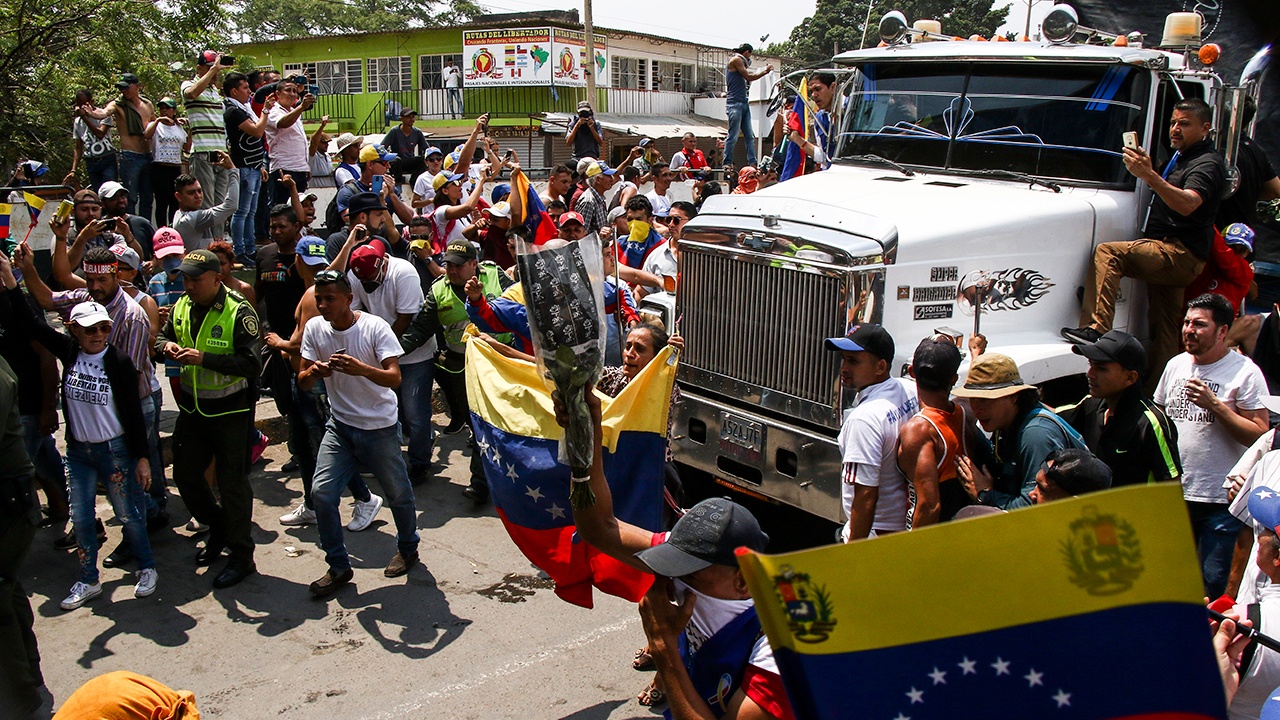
[(967, 178)]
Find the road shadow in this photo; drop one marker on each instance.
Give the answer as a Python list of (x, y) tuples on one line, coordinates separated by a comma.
[(599, 711), (413, 619), (275, 605)]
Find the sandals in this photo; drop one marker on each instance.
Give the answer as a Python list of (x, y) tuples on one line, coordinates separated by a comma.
[(652, 695), (642, 659)]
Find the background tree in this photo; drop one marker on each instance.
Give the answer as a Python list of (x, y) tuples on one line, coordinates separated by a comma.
[(271, 20), (48, 50), (837, 25)]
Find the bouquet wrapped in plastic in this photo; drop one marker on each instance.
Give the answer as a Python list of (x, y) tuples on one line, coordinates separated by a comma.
[(564, 294)]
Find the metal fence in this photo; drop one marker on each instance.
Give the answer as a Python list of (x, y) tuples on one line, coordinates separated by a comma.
[(337, 107)]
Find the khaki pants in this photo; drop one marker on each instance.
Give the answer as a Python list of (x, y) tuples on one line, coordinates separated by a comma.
[(1167, 266)]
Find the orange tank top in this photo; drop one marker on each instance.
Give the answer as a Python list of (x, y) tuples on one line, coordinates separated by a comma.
[(950, 427)]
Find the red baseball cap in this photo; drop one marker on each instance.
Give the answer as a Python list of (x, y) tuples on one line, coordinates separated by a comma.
[(571, 216), (366, 260)]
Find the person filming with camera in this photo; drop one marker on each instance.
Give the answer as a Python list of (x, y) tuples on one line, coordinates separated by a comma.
[(586, 135)]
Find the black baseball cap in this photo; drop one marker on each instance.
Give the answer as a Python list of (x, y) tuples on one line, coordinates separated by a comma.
[(868, 337), (198, 262), (126, 80), (459, 251), (709, 534), (936, 363), (1117, 347), (1078, 471)]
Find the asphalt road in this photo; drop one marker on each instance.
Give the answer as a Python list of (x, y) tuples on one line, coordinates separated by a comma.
[(472, 632)]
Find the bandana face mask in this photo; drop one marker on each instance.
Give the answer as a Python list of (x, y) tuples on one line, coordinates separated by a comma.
[(639, 230)]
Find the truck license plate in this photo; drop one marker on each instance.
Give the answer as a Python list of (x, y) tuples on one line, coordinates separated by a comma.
[(741, 432)]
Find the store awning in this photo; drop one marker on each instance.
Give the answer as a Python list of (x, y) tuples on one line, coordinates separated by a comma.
[(654, 126)]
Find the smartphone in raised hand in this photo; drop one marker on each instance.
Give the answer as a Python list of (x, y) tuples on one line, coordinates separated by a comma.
[(1131, 141)]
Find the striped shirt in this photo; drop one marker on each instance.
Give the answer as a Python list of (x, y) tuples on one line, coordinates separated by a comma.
[(130, 329), (208, 129)]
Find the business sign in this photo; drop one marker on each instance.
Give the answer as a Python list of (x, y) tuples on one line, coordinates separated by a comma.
[(572, 62), (506, 57)]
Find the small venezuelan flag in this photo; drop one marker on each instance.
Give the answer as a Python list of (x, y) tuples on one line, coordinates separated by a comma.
[(5, 210), (1017, 616), (35, 204)]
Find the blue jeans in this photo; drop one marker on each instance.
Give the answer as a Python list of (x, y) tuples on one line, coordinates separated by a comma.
[(454, 96), (111, 463), (242, 233), (157, 499), (101, 169), (739, 122), (135, 175), (343, 451), (307, 420), (1215, 530), (43, 451), (415, 409)]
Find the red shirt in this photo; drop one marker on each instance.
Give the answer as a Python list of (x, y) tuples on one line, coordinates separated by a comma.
[(1225, 274)]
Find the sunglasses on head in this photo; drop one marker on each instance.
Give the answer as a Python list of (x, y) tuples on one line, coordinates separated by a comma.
[(328, 276)]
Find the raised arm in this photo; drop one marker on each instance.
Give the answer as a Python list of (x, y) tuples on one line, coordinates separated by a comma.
[(469, 148)]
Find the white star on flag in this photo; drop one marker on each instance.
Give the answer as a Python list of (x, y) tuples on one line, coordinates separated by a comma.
[(917, 696), (1001, 665), (497, 457), (511, 473), (1264, 494), (535, 493), (968, 666), (902, 717), (556, 511), (939, 677), (1033, 678), (483, 445), (1063, 698)]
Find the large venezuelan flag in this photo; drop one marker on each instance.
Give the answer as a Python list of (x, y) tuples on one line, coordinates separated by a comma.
[(1085, 608), (800, 121), (533, 213), (517, 435)]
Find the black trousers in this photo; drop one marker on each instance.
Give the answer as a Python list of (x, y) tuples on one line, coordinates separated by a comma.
[(197, 441), (454, 386), (20, 677)]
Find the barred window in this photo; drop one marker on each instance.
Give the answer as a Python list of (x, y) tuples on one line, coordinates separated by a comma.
[(630, 73), (672, 76), (430, 68), (388, 74), (335, 77)]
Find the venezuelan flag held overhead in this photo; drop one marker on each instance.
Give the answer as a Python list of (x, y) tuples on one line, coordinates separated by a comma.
[(517, 435), (1086, 608), (533, 213), (35, 204)]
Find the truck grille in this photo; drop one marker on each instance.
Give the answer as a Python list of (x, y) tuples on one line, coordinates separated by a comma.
[(762, 324)]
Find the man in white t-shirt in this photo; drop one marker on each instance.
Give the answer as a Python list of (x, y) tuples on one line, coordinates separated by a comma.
[(1259, 670), (286, 140), (1213, 396), (390, 288), (357, 355), (451, 78), (662, 177), (873, 488), (424, 195)]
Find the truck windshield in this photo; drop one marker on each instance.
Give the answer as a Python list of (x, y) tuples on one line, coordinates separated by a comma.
[(1060, 121)]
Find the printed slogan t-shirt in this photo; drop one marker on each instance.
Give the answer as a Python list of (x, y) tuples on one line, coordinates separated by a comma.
[(90, 405)]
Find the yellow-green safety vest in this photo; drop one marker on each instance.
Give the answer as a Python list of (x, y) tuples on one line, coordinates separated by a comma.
[(214, 337), (452, 310)]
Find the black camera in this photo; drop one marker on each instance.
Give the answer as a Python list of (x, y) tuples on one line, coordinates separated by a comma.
[(227, 60), (584, 114), (297, 80)]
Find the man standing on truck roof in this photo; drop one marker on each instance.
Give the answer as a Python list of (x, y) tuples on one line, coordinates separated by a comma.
[(1175, 242), (737, 79), (873, 489)]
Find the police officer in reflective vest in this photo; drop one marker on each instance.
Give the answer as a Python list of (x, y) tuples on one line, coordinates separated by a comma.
[(213, 334), (444, 310)]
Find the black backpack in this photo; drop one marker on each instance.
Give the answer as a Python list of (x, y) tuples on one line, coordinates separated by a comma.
[(332, 218)]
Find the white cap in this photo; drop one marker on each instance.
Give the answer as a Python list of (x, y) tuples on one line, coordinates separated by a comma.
[(110, 188), (88, 314), (500, 210)]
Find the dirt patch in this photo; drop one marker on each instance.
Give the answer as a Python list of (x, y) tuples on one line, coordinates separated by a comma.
[(515, 588)]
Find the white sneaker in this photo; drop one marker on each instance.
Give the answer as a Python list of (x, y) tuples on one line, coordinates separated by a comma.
[(146, 583), (81, 593), (300, 515), (364, 513)]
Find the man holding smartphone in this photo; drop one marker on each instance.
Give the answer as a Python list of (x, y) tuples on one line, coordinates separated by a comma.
[(208, 128), (287, 143)]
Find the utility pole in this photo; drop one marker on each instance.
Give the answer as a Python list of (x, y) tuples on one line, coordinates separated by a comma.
[(865, 23), (1026, 32), (591, 51)]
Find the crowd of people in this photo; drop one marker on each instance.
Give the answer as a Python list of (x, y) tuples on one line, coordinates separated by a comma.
[(358, 310)]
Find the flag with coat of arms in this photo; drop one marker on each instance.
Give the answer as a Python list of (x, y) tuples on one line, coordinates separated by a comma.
[(1079, 609)]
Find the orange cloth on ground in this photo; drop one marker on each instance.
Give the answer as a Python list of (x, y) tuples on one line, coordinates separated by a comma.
[(123, 695)]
